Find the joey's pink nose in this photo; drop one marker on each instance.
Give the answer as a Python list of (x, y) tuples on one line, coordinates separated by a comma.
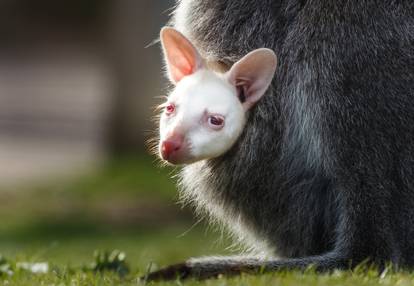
[(170, 146)]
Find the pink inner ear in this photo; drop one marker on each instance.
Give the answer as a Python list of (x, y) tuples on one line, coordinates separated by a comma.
[(182, 57), (252, 75), (178, 74), (182, 67)]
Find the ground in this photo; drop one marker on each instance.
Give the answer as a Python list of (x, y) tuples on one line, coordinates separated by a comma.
[(129, 205)]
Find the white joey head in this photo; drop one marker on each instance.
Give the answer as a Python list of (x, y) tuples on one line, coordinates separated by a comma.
[(206, 112)]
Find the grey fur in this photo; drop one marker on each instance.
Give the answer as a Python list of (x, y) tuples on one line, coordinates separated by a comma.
[(324, 171)]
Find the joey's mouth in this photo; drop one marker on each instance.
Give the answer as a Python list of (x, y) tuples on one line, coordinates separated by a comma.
[(175, 156), (174, 160), (178, 160)]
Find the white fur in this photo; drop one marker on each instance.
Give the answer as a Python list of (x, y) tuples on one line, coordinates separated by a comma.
[(195, 96), (201, 93)]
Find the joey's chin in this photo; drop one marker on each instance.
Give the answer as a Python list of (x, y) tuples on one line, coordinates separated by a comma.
[(176, 161), (177, 158)]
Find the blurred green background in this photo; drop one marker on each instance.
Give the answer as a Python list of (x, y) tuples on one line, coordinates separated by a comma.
[(78, 82)]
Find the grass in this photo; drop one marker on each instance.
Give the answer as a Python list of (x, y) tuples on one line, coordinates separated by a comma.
[(127, 205)]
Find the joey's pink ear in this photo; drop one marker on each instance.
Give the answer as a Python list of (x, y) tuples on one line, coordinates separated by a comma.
[(181, 56), (253, 74)]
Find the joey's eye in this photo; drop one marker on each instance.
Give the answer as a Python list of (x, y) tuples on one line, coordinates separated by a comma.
[(216, 121), (169, 109)]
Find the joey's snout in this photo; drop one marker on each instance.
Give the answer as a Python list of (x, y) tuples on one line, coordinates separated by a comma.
[(173, 149), (169, 147)]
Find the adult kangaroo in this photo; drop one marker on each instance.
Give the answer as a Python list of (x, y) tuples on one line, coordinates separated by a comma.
[(323, 172)]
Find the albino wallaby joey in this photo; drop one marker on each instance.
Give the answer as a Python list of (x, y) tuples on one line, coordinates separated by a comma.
[(322, 171), (206, 112)]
